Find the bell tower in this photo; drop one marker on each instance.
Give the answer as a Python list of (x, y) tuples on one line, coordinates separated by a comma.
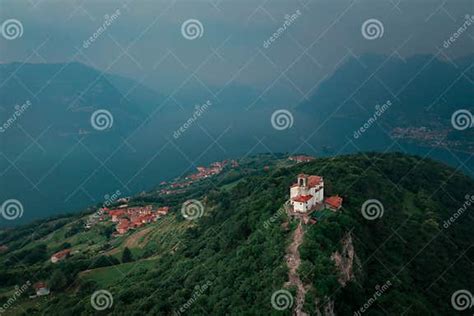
[(303, 180)]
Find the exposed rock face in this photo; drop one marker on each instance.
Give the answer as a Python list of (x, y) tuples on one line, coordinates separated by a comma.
[(329, 309), (325, 310), (345, 260)]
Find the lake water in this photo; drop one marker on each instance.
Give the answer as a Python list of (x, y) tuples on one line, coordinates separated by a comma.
[(72, 179)]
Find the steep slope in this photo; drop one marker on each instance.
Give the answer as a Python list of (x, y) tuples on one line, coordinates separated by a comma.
[(232, 259)]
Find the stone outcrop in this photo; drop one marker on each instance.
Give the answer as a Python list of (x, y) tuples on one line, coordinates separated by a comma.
[(345, 260)]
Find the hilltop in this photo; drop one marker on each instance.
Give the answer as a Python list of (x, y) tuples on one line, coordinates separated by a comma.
[(231, 257)]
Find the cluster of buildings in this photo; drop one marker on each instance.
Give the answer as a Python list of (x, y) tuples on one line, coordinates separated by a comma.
[(419, 133), (214, 169), (202, 173), (100, 215), (135, 217), (307, 195), (126, 217), (168, 191), (301, 158), (436, 137)]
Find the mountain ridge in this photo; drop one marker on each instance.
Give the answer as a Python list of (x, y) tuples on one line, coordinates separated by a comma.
[(232, 249)]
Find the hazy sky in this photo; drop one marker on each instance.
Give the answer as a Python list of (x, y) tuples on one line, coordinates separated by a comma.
[(145, 41)]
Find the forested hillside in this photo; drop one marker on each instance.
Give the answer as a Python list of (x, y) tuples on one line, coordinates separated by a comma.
[(232, 259)]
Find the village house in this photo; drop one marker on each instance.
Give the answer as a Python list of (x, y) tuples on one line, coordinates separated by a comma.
[(141, 220), (123, 226), (117, 214), (137, 222), (60, 255), (41, 289), (307, 193), (163, 210)]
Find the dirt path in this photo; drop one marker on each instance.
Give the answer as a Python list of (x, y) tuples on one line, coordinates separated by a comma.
[(293, 261)]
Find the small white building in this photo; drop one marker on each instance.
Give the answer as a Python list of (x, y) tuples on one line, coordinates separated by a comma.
[(307, 193), (41, 289)]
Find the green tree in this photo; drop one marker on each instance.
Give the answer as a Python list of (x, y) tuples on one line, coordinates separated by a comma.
[(58, 280), (127, 255)]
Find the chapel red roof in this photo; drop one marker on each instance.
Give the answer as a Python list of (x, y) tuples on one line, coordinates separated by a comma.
[(314, 181), (302, 198)]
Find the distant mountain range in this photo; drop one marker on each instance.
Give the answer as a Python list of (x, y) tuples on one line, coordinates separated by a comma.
[(66, 95), (424, 92), (54, 160)]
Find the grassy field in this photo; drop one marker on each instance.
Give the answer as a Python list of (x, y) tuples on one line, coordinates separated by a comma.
[(109, 275), (162, 236)]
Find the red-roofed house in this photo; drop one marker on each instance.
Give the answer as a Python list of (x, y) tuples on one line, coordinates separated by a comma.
[(116, 214), (61, 255), (163, 210), (148, 218), (137, 221), (333, 202), (123, 227), (41, 289), (306, 193)]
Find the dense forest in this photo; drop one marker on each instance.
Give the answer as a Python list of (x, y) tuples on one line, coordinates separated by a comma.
[(232, 259)]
